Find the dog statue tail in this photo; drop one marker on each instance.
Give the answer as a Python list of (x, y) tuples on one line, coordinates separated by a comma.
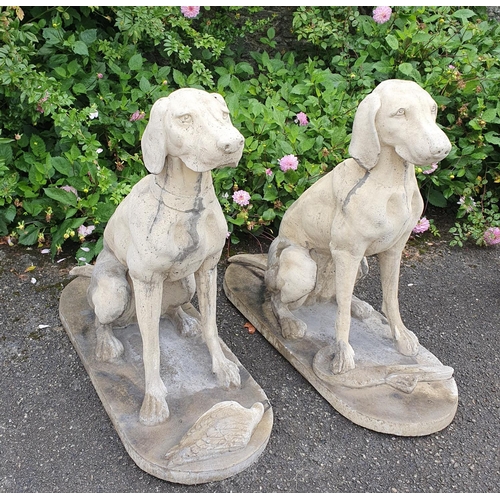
[(257, 261), (85, 271)]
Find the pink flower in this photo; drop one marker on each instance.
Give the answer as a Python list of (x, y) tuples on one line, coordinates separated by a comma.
[(469, 204), (301, 119), (85, 231), (137, 115), (289, 162), (492, 236), (269, 171), (430, 170), (190, 11), (241, 197), (422, 226), (99, 75), (382, 14)]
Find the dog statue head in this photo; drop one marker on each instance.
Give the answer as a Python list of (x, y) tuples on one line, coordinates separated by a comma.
[(192, 125), (402, 115)]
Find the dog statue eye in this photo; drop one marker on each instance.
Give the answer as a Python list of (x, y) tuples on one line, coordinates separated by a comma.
[(434, 109), (185, 119), (225, 115), (400, 112)]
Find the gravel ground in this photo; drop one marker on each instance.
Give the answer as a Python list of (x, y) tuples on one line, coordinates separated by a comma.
[(55, 435)]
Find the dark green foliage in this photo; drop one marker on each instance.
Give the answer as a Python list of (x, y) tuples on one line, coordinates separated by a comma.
[(77, 84)]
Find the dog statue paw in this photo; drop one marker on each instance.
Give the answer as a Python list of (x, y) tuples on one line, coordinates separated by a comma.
[(292, 328), (154, 409), (343, 360), (108, 347), (360, 309), (227, 372), (187, 325), (406, 341)]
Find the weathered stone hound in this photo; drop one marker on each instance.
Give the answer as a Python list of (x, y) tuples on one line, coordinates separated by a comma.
[(165, 239), (367, 205)]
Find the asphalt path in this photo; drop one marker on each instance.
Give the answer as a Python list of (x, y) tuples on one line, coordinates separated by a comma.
[(55, 435)]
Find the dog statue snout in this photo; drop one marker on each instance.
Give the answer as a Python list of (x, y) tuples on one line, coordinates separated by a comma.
[(441, 150), (231, 145)]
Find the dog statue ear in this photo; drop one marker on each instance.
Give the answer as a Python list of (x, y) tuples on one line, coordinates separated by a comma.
[(365, 145), (154, 139)]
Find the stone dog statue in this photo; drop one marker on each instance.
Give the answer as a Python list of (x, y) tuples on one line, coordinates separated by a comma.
[(367, 205), (165, 239)]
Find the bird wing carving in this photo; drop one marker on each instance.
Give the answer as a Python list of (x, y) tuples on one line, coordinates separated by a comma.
[(225, 427)]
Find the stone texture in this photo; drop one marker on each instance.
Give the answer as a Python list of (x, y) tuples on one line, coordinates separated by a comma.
[(193, 390), (374, 404)]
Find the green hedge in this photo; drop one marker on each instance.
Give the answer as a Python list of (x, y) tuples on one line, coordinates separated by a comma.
[(77, 85)]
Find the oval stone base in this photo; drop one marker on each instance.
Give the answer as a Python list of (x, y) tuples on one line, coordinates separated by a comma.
[(186, 370), (386, 392)]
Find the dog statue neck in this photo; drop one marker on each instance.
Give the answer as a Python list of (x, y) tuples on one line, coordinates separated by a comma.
[(391, 165), (179, 187)]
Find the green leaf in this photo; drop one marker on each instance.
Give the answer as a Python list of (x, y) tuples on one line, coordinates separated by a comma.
[(80, 48), (62, 165), (130, 138), (269, 214), (64, 197), (70, 212), (464, 14), (300, 89), (88, 36), (244, 67), (32, 207), (224, 81), (179, 78), (144, 85), (270, 192), (5, 153), (489, 115), (135, 62), (73, 67), (306, 144), (103, 211), (60, 71), (53, 36), (37, 146), (10, 213), (492, 138), (28, 236), (392, 41), (406, 68), (437, 199), (79, 88)]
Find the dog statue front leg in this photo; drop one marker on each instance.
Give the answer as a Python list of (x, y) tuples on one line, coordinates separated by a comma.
[(390, 261), (227, 372), (346, 269), (148, 297)]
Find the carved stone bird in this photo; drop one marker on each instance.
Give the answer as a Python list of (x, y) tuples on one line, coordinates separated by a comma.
[(226, 427)]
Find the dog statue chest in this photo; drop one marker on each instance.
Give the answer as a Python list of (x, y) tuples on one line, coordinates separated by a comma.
[(178, 242)]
